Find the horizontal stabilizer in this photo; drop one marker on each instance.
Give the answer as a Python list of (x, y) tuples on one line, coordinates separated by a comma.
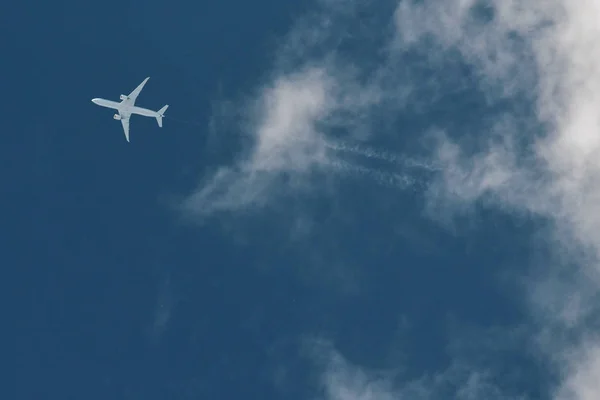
[(160, 114)]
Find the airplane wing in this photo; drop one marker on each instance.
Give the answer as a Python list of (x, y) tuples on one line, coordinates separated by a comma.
[(125, 123), (130, 100)]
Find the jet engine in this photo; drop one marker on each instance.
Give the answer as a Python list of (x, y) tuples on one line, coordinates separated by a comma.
[(117, 117), (123, 97)]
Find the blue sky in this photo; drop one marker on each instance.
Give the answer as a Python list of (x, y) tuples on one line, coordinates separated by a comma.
[(348, 200)]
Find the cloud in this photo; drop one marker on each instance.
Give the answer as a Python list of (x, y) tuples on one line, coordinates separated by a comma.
[(555, 175), (582, 379), (339, 379), (285, 140), (544, 164), (530, 146), (313, 93), (287, 128)]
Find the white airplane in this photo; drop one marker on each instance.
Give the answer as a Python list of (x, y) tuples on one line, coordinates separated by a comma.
[(127, 107)]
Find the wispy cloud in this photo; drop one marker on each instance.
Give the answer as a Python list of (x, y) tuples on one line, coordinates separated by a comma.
[(581, 379), (340, 379), (285, 140), (533, 150), (287, 127), (312, 91), (543, 51)]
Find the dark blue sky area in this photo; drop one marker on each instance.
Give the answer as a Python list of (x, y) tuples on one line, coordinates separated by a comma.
[(118, 297)]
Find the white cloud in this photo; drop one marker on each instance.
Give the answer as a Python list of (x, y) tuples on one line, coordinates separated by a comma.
[(582, 382), (287, 137), (558, 42), (286, 140), (538, 53), (342, 380), (311, 91), (547, 51)]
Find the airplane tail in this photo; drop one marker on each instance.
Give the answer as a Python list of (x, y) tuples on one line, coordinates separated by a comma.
[(160, 114)]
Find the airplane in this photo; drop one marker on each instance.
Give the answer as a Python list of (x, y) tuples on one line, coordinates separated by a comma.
[(126, 107)]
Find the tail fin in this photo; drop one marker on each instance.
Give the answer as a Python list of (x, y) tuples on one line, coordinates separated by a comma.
[(160, 114)]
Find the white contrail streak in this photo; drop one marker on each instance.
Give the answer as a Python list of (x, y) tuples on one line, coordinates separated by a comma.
[(387, 179), (380, 155)]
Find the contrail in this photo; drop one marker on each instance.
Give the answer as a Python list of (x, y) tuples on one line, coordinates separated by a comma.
[(391, 179), (381, 155), (388, 179), (375, 154)]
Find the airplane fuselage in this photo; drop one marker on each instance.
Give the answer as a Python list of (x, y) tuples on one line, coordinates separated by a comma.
[(125, 109)]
